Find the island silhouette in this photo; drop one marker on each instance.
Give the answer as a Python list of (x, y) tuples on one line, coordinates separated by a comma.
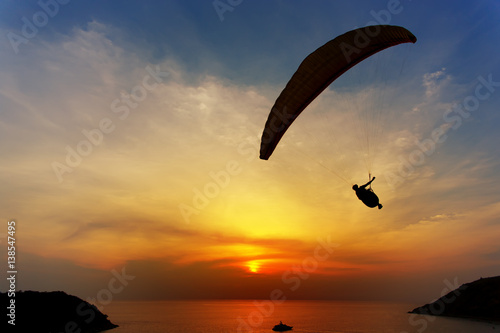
[(479, 300), (56, 311)]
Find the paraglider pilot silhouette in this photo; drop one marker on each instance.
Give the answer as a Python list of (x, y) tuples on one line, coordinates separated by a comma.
[(366, 194)]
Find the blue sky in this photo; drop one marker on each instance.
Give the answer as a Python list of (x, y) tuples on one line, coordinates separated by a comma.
[(203, 87)]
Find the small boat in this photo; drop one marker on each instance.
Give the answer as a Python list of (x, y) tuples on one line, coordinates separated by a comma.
[(282, 327)]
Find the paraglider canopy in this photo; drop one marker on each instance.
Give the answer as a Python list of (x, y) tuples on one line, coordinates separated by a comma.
[(320, 69)]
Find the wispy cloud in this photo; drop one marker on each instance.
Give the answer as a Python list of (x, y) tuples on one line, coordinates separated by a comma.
[(172, 142)]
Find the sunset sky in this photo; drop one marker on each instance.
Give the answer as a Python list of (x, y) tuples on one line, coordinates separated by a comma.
[(129, 142)]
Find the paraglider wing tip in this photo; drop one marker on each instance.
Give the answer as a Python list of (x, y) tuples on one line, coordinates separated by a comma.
[(410, 36)]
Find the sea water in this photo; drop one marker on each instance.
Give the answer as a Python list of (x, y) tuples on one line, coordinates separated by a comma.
[(221, 316)]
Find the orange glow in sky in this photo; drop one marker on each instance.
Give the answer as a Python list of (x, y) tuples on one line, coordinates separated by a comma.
[(176, 194)]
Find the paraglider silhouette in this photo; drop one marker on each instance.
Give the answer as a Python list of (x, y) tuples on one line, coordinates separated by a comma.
[(366, 194), (318, 70)]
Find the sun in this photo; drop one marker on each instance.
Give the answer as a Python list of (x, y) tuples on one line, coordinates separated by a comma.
[(253, 266)]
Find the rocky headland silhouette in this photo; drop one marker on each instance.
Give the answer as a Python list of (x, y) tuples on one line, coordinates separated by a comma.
[(56, 311), (479, 300)]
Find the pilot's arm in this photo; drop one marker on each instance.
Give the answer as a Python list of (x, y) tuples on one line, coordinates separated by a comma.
[(363, 186)]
